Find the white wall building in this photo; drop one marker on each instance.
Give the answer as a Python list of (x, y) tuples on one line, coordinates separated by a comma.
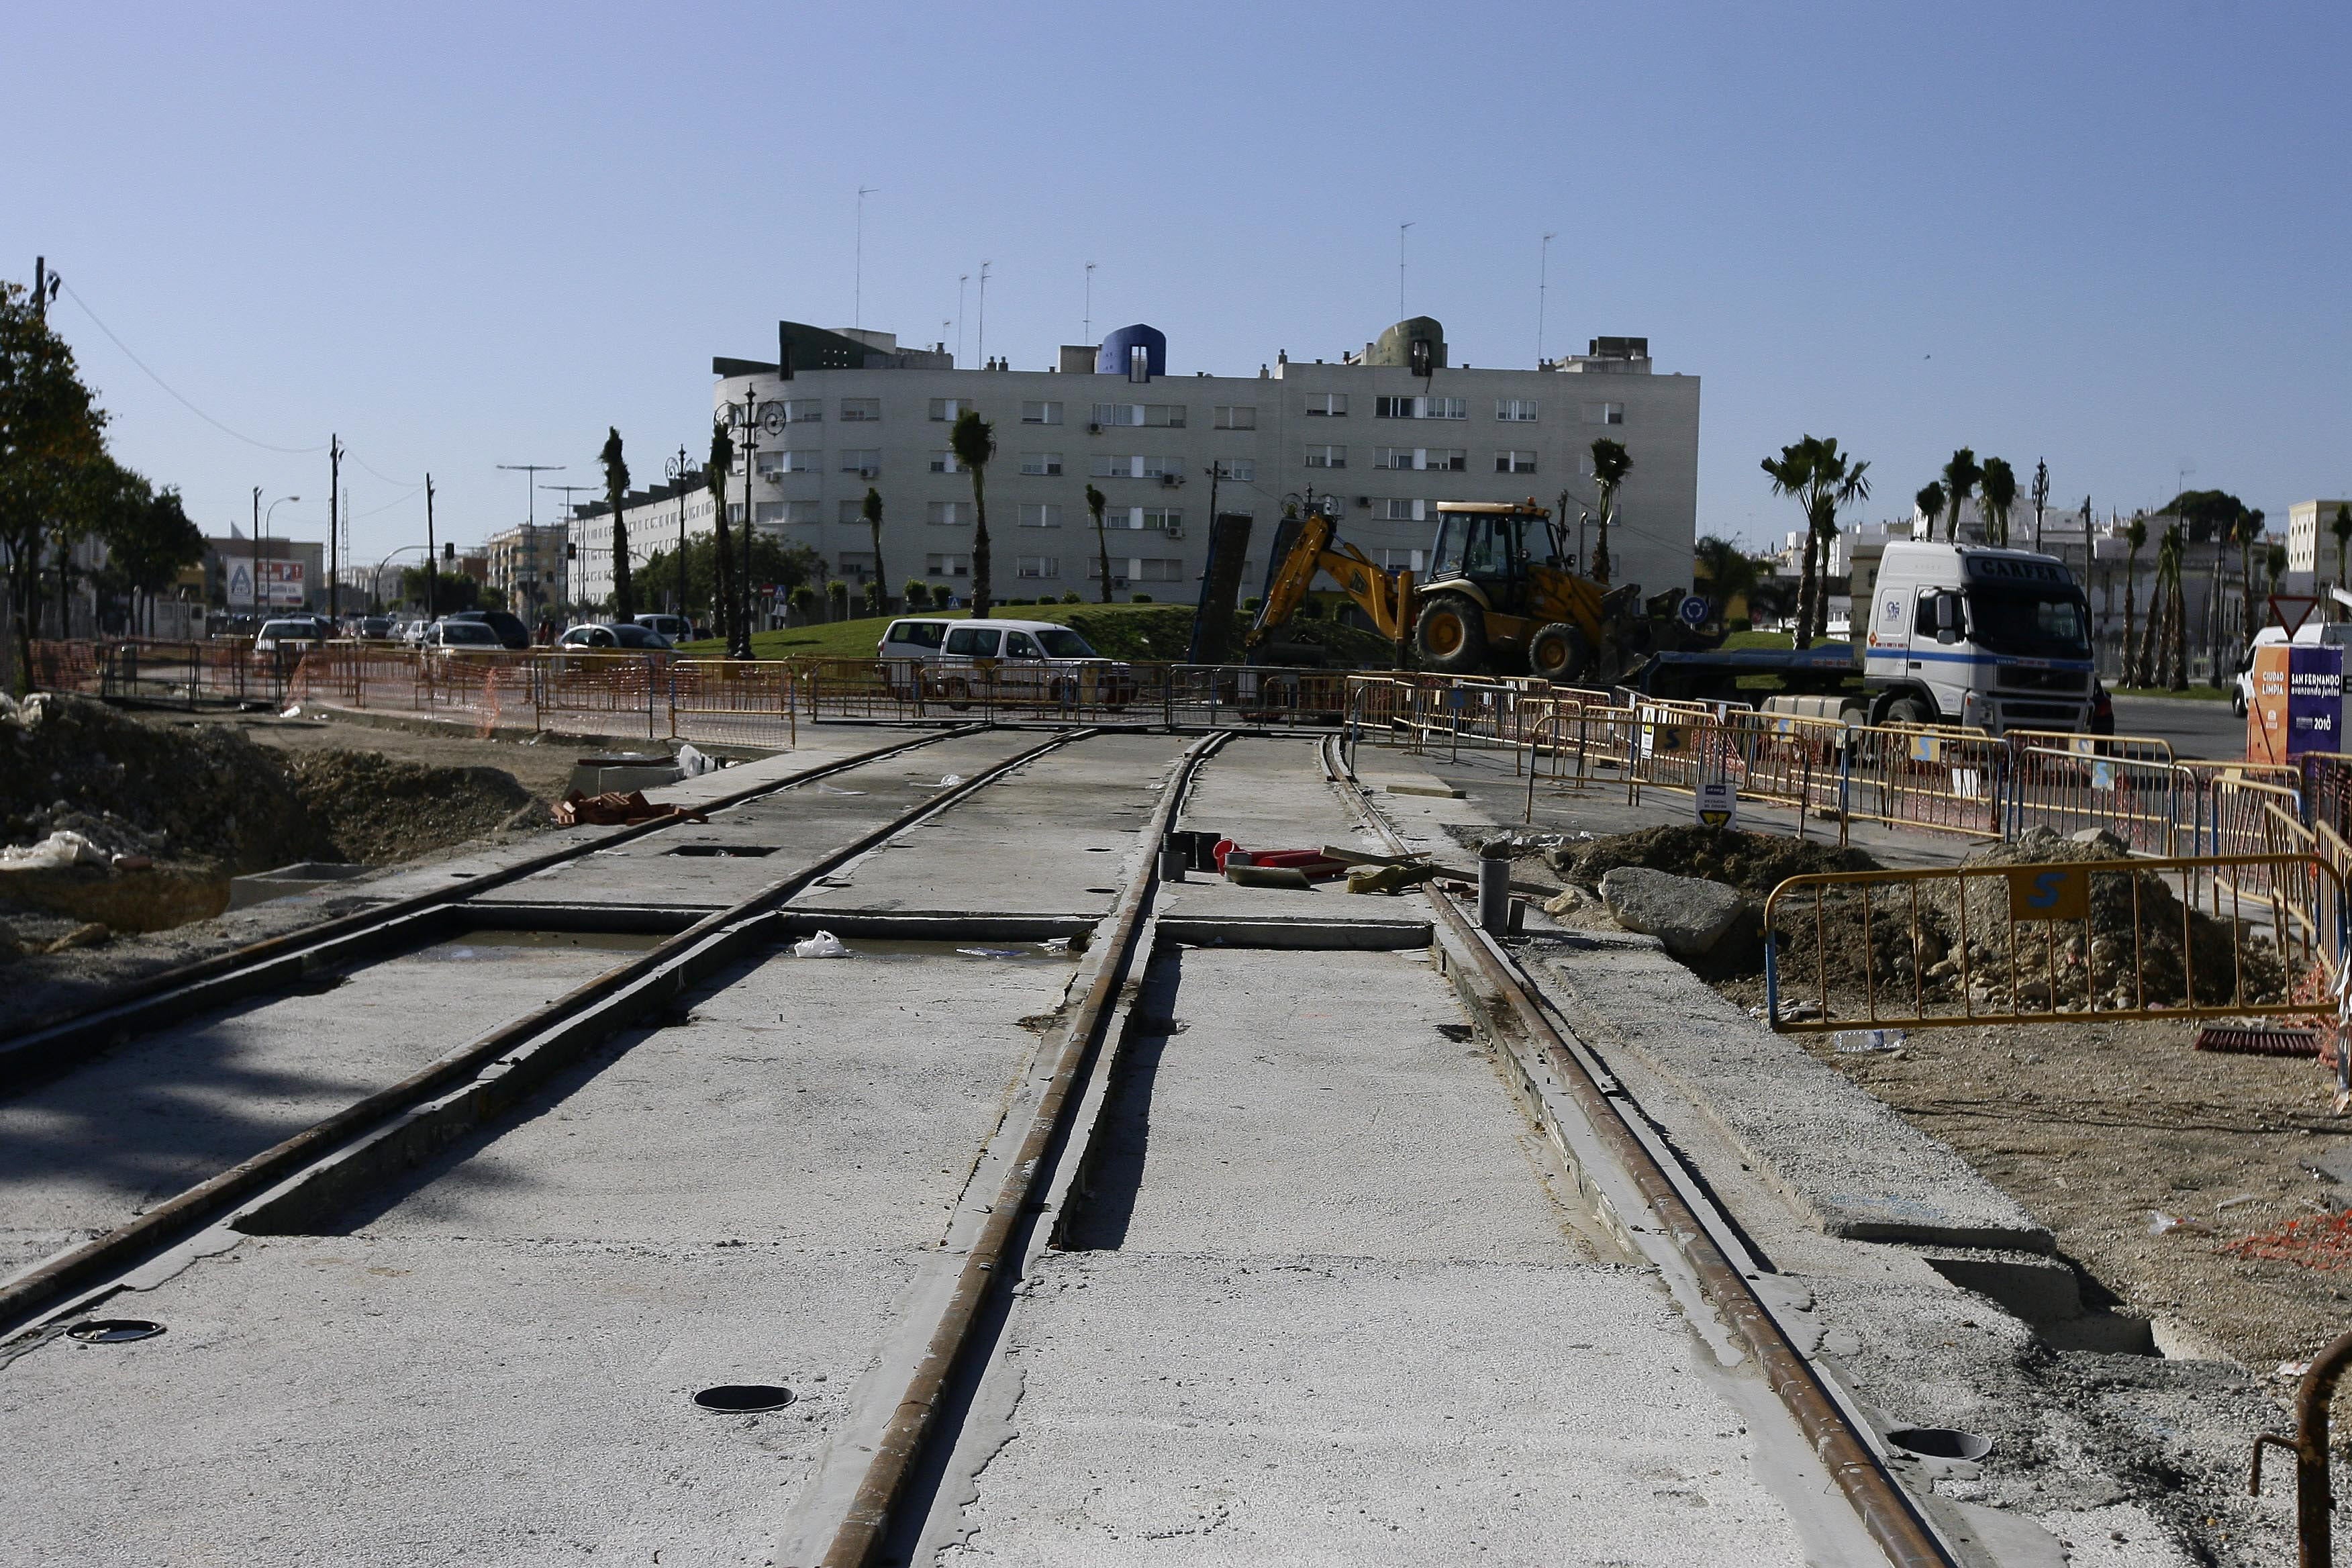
[(2308, 523), (1371, 429), (651, 518)]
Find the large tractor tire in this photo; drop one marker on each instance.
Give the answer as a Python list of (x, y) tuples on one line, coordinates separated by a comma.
[(1559, 652), (1450, 635)]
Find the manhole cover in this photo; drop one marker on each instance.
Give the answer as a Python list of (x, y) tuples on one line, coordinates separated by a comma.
[(113, 1331), (1102, 889), (745, 1396), (1940, 1442)]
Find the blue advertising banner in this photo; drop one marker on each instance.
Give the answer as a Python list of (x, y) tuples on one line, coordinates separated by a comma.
[(2314, 700)]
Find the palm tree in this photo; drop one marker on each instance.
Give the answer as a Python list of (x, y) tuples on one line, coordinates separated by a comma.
[(2134, 535), (1102, 540), (1726, 568), (2342, 529), (1791, 473), (2274, 563), (2250, 534), (1960, 477), (872, 512), (1838, 481), (2000, 482), (1610, 463), (714, 475), (1930, 503), (2164, 654), (616, 485), (974, 440)]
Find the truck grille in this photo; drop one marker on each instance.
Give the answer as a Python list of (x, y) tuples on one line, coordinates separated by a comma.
[(2012, 679), (2041, 712)]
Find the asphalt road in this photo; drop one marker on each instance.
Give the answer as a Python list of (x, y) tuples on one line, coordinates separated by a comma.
[(2196, 727)]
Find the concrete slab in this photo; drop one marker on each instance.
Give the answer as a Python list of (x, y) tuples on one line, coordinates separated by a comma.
[(82, 1153), (1848, 1162)]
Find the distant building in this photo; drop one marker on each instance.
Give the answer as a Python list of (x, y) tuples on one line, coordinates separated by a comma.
[(1384, 435), (2308, 524), (292, 572), (653, 517), (527, 565)]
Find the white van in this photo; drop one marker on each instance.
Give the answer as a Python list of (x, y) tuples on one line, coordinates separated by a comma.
[(997, 660), (1969, 635)]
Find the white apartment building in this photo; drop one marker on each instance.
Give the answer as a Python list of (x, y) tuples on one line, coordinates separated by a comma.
[(652, 518), (527, 566), (1386, 434), (2308, 522)]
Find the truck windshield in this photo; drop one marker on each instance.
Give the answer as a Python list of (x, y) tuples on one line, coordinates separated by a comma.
[(2029, 623)]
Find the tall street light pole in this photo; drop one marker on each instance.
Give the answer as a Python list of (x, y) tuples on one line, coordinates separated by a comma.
[(530, 533), (531, 473), (334, 520), (680, 471), (261, 528)]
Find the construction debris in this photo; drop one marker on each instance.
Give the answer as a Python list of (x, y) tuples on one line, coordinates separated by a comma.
[(613, 809)]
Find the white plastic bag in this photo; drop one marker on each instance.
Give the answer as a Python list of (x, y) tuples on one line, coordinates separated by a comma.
[(823, 944), (951, 780), (693, 763), (59, 849)]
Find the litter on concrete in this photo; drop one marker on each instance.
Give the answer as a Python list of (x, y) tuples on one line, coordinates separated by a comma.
[(1863, 1042), (693, 763), (60, 850), (950, 781), (613, 809), (823, 944), (993, 951)]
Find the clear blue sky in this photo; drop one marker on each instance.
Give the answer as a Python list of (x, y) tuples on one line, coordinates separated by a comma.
[(2112, 237)]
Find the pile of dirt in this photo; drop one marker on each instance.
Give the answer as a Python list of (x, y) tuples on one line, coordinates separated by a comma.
[(1941, 943), (376, 810), (1755, 863)]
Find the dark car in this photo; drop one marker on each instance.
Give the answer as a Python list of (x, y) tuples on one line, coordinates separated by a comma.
[(511, 632)]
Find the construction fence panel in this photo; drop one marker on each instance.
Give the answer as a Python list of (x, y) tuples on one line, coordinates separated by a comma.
[(601, 692), (2128, 785), (1217, 696), (493, 689), (2124, 937), (734, 703)]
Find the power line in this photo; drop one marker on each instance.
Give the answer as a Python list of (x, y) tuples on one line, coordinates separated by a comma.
[(387, 478), (265, 446)]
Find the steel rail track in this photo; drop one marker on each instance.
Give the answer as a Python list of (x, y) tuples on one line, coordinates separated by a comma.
[(886, 1487), (544, 1040), (1886, 1510), (279, 961)]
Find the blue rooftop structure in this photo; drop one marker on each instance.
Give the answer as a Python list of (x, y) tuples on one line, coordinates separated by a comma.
[(1112, 358)]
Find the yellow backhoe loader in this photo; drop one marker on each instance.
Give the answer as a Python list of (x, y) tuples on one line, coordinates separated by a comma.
[(1498, 589)]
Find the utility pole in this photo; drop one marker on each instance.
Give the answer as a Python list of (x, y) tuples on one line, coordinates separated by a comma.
[(859, 312), (530, 531), (2042, 499), (432, 552), (531, 473), (335, 524), (257, 556), (679, 472), (45, 285)]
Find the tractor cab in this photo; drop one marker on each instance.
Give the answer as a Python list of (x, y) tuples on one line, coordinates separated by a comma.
[(1486, 547)]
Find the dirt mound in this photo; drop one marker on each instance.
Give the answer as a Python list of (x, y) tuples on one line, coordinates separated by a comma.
[(376, 809), (201, 797), (1755, 863)]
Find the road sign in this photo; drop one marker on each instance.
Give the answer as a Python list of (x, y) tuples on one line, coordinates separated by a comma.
[(1718, 804), (1692, 610)]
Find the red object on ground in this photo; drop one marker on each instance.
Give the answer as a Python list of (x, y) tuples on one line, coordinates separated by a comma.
[(1314, 862)]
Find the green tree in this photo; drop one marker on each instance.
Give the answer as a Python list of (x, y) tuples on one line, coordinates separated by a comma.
[(616, 485), (1930, 503), (1610, 463), (1792, 473), (918, 593), (2342, 529), (2250, 534), (2274, 565), (1725, 569), (1999, 482), (452, 590), (974, 441), (723, 458), (150, 544), (1102, 540), (773, 561), (2136, 536), (52, 434), (1960, 477), (1823, 480), (872, 512)]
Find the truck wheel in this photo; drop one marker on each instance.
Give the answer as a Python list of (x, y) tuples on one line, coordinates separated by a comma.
[(1558, 652), (1909, 710), (1451, 636)]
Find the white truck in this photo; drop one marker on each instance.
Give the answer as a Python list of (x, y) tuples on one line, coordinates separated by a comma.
[(1967, 634)]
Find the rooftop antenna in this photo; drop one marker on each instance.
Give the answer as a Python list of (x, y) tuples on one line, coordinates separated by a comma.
[(980, 345), (1400, 228), (1543, 284), (962, 283), (859, 310), (1087, 333)]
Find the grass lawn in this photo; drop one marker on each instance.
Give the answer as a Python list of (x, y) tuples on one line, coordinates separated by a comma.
[(1152, 631), (1760, 639)]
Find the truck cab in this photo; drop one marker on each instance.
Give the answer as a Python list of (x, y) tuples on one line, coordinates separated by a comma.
[(1973, 635)]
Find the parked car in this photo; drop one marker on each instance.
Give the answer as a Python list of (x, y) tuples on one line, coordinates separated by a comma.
[(374, 628), (1006, 660), (510, 631), (454, 639), (624, 637), (675, 627), (289, 636)]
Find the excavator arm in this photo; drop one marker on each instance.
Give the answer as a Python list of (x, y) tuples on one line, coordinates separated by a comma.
[(1386, 598)]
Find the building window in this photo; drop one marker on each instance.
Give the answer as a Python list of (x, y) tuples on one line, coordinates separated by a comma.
[(1038, 566), (1135, 466), (1040, 514), (1328, 405), (852, 511), (1041, 414), (947, 565), (1394, 407), (1515, 462), (1041, 463), (1421, 408), (949, 513), (866, 462), (1236, 417), (1162, 570), (1604, 414), (945, 463), (800, 511), (804, 411), (800, 460), (948, 410), (1160, 416), (1446, 408), (1445, 459), (1410, 560), (1242, 468), (734, 515), (771, 463), (1520, 409), (1326, 457), (858, 564), (861, 410), (1396, 508)]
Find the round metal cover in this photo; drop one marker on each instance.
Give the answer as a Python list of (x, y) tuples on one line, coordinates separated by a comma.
[(745, 1396), (113, 1331), (1940, 1442)]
